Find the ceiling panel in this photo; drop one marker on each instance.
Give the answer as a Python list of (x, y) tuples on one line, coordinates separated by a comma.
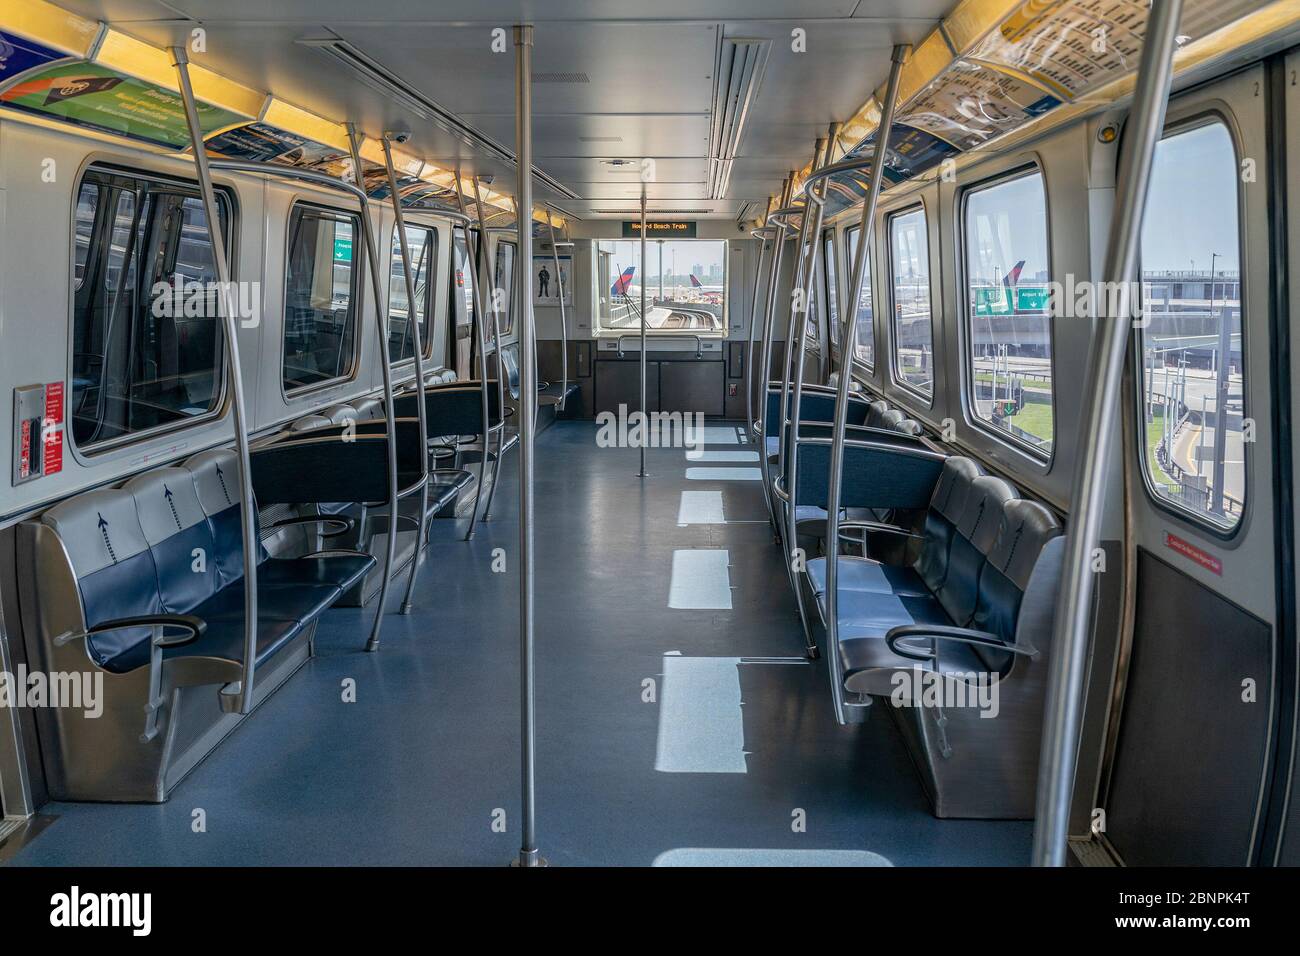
[(648, 68)]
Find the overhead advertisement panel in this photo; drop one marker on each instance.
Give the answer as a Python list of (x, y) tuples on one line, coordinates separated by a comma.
[(99, 98), (17, 56), (261, 143)]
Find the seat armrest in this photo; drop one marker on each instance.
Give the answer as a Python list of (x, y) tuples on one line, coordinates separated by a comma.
[(878, 527), (342, 523), (942, 632), (194, 626)]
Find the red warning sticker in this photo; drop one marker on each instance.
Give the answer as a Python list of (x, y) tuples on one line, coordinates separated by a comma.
[(52, 428), (1193, 553)]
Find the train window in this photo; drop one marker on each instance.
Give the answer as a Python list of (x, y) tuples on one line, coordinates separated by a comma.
[(146, 340), (685, 285), (812, 329), (422, 245), (864, 349), (1193, 373), (505, 286), (832, 292), (909, 263), (320, 314), (1007, 309)]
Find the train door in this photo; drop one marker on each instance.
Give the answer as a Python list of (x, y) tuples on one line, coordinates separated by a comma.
[(1195, 704)]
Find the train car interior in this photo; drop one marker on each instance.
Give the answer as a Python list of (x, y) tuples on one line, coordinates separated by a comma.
[(845, 433)]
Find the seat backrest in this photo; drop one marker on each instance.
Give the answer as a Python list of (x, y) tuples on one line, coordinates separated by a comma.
[(111, 561), (876, 412), (951, 492), (179, 535), (368, 409), (909, 426), (216, 480), (1024, 532), (308, 422), (975, 531), (509, 361)]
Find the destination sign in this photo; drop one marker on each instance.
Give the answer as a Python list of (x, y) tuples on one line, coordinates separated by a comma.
[(679, 229)]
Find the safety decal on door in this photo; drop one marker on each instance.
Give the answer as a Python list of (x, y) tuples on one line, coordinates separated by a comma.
[(1193, 553), (52, 428)]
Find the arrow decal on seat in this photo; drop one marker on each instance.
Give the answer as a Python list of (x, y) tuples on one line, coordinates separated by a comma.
[(103, 529), (167, 493)]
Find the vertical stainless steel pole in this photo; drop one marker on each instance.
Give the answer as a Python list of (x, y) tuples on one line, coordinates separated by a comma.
[(421, 412), (1068, 662), (381, 325), (645, 410), (238, 414), (848, 336), (529, 855)]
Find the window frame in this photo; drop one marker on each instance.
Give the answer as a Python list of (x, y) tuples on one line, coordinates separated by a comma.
[(226, 197), (430, 297), (1010, 174), (1186, 124), (895, 376), (508, 328), (853, 360), (293, 394)]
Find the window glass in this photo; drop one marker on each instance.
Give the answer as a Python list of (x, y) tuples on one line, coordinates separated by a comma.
[(1008, 309), (812, 332), (146, 335), (422, 246), (832, 293), (685, 285), (505, 283), (1193, 374), (320, 297), (87, 215), (909, 263), (864, 348)]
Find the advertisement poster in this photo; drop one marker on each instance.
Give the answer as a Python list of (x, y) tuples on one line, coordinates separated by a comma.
[(546, 285), (970, 104), (18, 56), (260, 143), (99, 98)]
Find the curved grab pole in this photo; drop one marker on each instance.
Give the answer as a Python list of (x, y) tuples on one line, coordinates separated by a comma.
[(476, 288), (764, 235), (381, 320), (564, 330), (323, 179), (848, 340), (769, 332), (500, 427), (422, 525), (238, 414), (1063, 710), (806, 278), (798, 306)]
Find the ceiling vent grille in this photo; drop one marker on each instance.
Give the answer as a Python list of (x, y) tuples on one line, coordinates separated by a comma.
[(653, 212), (561, 78), (739, 73), (378, 77)]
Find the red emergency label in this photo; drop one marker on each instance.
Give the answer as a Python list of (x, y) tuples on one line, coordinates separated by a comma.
[(52, 428), (1193, 553)]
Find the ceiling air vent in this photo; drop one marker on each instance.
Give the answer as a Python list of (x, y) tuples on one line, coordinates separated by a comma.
[(739, 72), (653, 212), (378, 77), (561, 78)]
